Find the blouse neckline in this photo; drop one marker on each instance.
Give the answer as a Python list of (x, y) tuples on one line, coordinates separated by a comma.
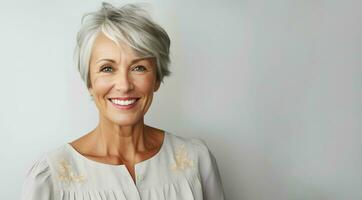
[(162, 148)]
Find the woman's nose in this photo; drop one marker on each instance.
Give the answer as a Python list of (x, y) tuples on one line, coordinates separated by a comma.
[(123, 82)]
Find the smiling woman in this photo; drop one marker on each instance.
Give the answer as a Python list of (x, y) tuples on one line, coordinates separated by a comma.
[(122, 57), (121, 83)]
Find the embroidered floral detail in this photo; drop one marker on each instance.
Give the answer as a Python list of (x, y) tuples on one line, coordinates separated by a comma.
[(66, 173), (182, 160)]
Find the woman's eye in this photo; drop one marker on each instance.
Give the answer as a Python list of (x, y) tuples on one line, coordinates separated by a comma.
[(106, 69), (139, 68)]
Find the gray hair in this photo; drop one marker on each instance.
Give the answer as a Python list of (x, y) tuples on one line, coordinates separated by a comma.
[(129, 24)]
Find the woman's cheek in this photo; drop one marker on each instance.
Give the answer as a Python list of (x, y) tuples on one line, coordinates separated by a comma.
[(146, 83), (102, 84)]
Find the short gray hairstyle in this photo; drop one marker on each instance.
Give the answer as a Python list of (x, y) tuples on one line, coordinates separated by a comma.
[(130, 24)]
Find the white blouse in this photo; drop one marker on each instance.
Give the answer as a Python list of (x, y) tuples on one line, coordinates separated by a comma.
[(183, 169)]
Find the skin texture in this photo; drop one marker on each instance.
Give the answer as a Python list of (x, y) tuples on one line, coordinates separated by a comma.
[(121, 137)]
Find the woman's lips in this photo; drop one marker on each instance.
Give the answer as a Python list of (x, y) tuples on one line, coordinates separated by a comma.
[(124, 107)]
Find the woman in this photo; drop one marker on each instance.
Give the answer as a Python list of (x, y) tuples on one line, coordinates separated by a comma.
[(122, 56)]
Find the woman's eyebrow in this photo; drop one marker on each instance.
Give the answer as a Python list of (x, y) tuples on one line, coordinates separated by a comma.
[(133, 61), (106, 59)]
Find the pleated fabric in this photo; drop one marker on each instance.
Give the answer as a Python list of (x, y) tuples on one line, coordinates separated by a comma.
[(183, 169)]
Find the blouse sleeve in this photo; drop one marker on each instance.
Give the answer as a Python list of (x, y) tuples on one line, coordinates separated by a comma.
[(210, 175), (38, 183)]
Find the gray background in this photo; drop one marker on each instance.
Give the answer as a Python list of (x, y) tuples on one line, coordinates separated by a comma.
[(273, 87)]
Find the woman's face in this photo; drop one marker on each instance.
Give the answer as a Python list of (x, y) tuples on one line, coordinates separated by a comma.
[(117, 73)]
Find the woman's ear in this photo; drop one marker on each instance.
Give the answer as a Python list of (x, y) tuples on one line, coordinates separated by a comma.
[(157, 86), (90, 90), (89, 85)]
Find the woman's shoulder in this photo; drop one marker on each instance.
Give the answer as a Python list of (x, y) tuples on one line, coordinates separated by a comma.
[(46, 161), (205, 161), (42, 164), (45, 173), (197, 144), (191, 147), (38, 167), (61, 151)]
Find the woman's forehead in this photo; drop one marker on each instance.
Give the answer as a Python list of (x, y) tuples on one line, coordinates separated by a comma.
[(105, 47)]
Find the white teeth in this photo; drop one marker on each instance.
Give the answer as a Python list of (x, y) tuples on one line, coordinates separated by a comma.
[(123, 102)]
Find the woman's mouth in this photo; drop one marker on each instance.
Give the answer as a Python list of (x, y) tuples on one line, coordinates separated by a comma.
[(124, 104)]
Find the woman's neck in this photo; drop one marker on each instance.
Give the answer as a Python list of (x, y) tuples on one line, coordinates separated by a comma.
[(120, 141)]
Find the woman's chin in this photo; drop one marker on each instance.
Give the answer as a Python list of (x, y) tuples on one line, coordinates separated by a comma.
[(125, 120)]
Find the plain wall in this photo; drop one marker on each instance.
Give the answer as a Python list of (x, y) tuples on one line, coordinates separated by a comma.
[(273, 87)]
